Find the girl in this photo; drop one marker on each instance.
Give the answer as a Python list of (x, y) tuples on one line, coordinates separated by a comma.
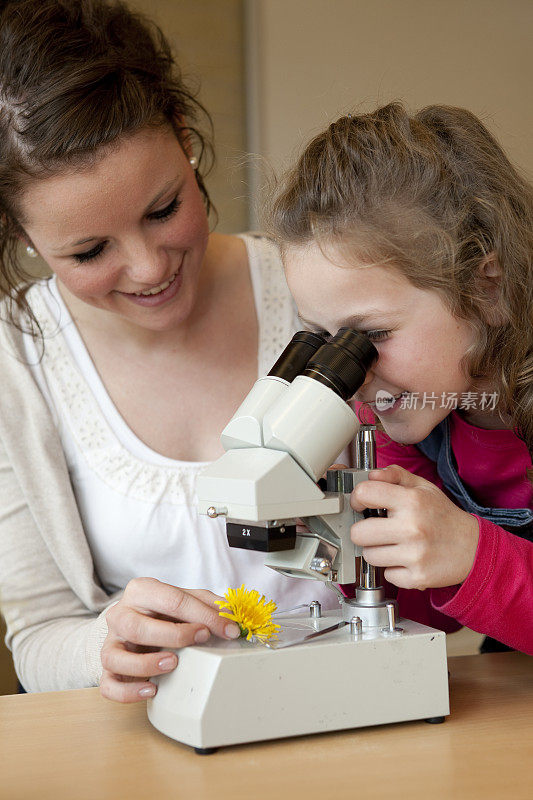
[(119, 372), (418, 231)]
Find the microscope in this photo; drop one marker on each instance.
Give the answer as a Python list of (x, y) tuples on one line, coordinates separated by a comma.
[(358, 665)]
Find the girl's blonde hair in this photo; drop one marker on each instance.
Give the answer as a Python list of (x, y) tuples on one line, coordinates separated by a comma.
[(434, 195)]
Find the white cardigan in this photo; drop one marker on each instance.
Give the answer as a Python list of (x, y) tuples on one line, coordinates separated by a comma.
[(45, 561)]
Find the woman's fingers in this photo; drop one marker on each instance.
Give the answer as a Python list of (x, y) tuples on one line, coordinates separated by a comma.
[(125, 690), (154, 597), (119, 660), (150, 619), (138, 628)]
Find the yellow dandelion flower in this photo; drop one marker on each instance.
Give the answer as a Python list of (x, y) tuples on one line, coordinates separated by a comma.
[(252, 612)]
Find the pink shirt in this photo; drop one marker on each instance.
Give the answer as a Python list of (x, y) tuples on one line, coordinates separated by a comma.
[(497, 596)]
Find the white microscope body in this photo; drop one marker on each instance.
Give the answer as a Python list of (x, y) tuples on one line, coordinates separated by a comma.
[(358, 666)]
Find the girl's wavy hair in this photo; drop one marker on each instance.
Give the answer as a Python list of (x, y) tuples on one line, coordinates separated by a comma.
[(433, 195), (75, 76)]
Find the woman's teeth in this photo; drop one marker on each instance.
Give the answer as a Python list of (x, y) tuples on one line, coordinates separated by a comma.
[(156, 289)]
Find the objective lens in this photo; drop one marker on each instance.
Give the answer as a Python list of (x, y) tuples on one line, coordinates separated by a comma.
[(294, 358), (342, 362)]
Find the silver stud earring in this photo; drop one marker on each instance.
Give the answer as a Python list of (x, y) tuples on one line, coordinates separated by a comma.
[(31, 251), (193, 161)]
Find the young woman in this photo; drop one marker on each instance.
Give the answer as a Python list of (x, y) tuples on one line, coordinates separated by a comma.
[(120, 371), (416, 230)]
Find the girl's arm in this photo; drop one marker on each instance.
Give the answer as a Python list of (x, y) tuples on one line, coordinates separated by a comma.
[(497, 596), (475, 571)]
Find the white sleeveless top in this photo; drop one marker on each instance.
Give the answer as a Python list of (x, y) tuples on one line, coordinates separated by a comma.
[(138, 507)]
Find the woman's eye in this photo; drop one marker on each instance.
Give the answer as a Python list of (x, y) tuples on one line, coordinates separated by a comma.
[(166, 212), (377, 335), (89, 255)]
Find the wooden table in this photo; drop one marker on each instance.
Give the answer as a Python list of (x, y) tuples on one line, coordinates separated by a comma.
[(76, 745)]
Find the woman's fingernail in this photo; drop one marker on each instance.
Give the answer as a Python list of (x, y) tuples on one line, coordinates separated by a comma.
[(232, 632), (167, 663), (147, 691), (202, 636)]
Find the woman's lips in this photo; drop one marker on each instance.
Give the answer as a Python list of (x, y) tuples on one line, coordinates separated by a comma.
[(151, 300)]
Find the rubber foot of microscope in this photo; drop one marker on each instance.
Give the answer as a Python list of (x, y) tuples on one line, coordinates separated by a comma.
[(205, 751), (435, 720)]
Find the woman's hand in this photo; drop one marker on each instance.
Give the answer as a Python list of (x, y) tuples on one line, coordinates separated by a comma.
[(425, 540), (150, 618)]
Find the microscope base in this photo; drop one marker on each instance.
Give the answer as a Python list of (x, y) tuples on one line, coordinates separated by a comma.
[(231, 692)]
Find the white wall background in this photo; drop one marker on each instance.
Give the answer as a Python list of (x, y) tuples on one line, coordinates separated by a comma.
[(308, 61)]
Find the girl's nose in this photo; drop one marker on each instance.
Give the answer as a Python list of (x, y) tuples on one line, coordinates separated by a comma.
[(368, 378)]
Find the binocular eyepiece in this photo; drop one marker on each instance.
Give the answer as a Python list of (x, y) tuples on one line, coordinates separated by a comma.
[(341, 363)]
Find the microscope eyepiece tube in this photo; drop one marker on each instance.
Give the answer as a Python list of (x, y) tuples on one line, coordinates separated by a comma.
[(245, 427), (311, 419), (294, 358), (342, 363)]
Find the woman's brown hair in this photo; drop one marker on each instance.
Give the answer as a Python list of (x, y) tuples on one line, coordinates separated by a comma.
[(433, 195), (75, 76)]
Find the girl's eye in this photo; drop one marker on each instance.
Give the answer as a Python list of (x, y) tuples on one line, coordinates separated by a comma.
[(89, 255), (377, 335), (166, 212)]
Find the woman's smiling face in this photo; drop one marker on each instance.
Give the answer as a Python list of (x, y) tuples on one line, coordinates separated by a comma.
[(421, 344), (133, 222)]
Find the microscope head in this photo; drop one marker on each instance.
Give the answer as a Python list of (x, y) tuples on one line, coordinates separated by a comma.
[(287, 432)]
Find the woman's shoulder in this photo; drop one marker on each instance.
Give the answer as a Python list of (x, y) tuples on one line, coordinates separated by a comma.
[(240, 249), (261, 248)]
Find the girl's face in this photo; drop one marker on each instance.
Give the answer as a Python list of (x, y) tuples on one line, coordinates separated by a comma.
[(133, 223), (420, 343)]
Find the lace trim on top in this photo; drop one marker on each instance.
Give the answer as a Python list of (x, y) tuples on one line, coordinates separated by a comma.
[(153, 478)]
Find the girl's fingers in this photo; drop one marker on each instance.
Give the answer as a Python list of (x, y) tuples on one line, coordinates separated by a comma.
[(398, 475), (376, 531), (400, 577), (381, 556), (123, 690), (403, 491), (119, 660), (377, 494), (154, 597)]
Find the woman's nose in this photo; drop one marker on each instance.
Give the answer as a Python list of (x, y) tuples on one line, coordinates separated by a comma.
[(147, 265)]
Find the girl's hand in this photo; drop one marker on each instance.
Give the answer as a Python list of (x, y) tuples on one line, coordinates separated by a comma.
[(150, 618), (425, 540)]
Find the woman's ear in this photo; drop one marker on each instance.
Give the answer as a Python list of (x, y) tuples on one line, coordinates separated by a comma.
[(489, 282)]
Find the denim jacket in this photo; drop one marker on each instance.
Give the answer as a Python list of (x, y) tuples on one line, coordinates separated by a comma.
[(437, 447)]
